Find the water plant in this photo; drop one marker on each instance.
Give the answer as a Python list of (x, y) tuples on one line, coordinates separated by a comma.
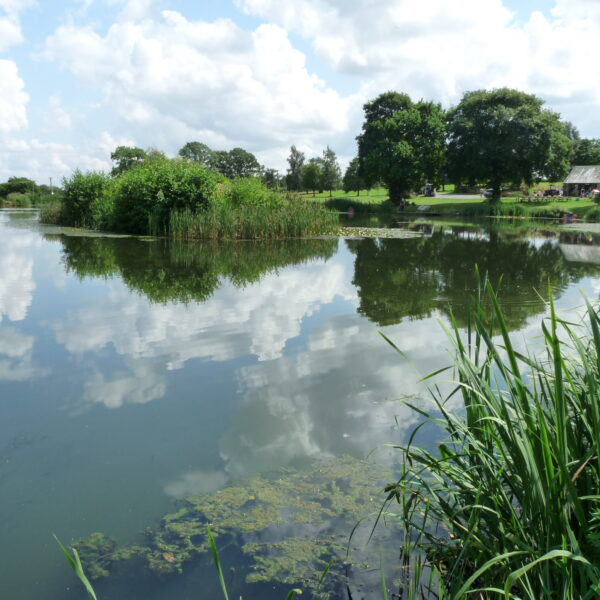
[(508, 506), (255, 515)]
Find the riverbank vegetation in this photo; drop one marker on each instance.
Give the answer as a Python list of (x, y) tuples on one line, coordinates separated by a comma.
[(508, 505), (21, 192), (185, 200)]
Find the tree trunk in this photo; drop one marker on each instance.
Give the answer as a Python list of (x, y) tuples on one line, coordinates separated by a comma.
[(396, 194)]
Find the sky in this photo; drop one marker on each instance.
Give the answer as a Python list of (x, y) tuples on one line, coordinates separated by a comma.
[(80, 77)]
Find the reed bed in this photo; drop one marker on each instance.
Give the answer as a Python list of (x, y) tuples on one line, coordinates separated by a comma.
[(508, 506), (224, 221)]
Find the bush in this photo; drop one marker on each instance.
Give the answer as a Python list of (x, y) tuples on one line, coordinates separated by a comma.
[(18, 199), (146, 195), (249, 191), (85, 203)]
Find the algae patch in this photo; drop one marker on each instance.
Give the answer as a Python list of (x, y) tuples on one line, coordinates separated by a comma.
[(289, 525)]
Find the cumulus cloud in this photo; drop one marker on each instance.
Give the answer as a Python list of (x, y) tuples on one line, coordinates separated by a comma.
[(211, 80), (337, 395), (16, 284), (155, 338), (10, 27), (439, 50), (13, 99), (16, 356)]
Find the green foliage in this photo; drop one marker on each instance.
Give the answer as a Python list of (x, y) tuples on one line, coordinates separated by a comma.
[(294, 173), (125, 158), (330, 170), (18, 185), (235, 163), (271, 178), (181, 272), (85, 202), (197, 152), (503, 136), (353, 182), (508, 505), (401, 144), (145, 196), (18, 199), (311, 176), (253, 221), (75, 563), (586, 152)]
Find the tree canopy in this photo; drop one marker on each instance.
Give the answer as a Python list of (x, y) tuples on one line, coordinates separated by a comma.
[(330, 170), (401, 144), (126, 157), (294, 173), (505, 135), (586, 152), (353, 182), (311, 175), (197, 152)]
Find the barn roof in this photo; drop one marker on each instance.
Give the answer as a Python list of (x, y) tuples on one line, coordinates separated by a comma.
[(584, 174)]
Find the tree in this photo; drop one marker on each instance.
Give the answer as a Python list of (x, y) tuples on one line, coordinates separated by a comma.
[(125, 158), (352, 181), (311, 176), (243, 163), (271, 178), (505, 135), (330, 171), (235, 163), (401, 144), (586, 152), (294, 173), (197, 152), (20, 185)]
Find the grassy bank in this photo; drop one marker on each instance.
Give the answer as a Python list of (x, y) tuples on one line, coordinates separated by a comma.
[(184, 200), (508, 506), (376, 201)]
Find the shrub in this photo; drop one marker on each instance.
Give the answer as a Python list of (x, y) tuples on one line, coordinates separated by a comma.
[(85, 203), (249, 191), (145, 195), (18, 199)]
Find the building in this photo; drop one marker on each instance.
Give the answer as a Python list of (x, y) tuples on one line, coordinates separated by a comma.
[(582, 178)]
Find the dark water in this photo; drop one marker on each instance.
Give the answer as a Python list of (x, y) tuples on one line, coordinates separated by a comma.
[(134, 373)]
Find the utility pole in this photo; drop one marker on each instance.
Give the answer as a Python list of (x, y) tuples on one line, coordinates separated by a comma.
[(51, 190)]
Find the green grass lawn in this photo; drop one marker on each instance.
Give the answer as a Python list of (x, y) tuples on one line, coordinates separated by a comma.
[(376, 201)]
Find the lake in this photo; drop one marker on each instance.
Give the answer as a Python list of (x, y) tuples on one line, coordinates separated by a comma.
[(148, 389)]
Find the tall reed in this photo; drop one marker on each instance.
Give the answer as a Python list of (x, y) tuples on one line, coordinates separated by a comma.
[(509, 505), (226, 221)]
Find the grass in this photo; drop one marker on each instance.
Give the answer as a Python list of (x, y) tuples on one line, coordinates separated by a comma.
[(224, 221), (509, 505)]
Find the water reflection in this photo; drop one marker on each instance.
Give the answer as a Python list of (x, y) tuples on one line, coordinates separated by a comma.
[(262, 355), (396, 279)]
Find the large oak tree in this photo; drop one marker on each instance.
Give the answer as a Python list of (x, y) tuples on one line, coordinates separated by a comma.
[(401, 144), (505, 135)]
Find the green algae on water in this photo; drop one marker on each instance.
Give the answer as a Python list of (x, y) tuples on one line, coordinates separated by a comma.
[(290, 525)]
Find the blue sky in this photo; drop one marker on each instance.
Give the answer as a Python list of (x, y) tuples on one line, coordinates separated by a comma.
[(78, 77)]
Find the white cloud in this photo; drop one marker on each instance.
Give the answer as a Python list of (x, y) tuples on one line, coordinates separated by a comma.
[(169, 77), (13, 100), (438, 50), (16, 284), (10, 27), (155, 338), (16, 356)]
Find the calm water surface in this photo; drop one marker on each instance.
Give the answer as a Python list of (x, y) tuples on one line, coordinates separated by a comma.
[(134, 374)]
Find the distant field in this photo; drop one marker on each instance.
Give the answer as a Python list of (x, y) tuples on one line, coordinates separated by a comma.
[(376, 200)]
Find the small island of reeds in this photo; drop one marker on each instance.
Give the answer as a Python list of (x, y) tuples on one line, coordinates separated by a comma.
[(185, 200)]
